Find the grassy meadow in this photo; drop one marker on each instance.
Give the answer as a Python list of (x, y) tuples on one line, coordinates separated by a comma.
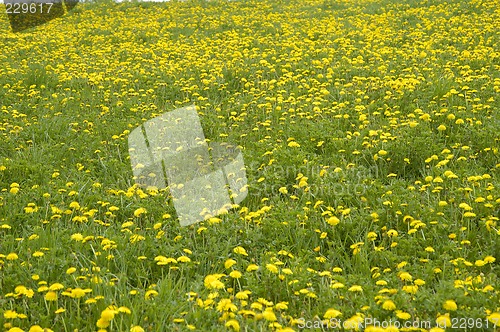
[(370, 131)]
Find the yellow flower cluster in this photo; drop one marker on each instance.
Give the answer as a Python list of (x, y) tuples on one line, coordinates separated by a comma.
[(369, 131)]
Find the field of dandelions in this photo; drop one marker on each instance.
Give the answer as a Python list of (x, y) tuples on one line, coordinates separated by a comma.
[(370, 131)]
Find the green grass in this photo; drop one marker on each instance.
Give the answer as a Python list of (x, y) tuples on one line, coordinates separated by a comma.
[(362, 88)]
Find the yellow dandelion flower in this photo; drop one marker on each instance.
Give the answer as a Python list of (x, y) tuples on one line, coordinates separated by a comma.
[(402, 315), (56, 286), (355, 288), (102, 323), (108, 314), (450, 305), (405, 276), (36, 328), (233, 324), (183, 259), (229, 262), (480, 263), (124, 310), (78, 293), (235, 274), (333, 221), (243, 295), (272, 268), (252, 267), (489, 259), (240, 251), (281, 305), (269, 315), (372, 236), (140, 211), (337, 285), (74, 205), (10, 314), (50, 296), (465, 206), (494, 318), (283, 190), (443, 321), (392, 233), (150, 294), (212, 281), (410, 289), (12, 256), (488, 288), (332, 313), (77, 237), (389, 305)]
